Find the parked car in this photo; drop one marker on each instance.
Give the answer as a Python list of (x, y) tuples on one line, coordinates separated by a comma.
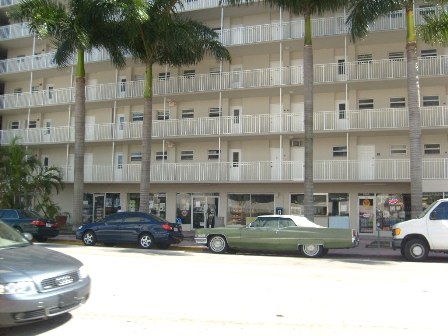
[(283, 233), (30, 222), (35, 282), (141, 228)]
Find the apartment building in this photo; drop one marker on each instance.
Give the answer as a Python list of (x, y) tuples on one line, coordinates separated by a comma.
[(228, 137)]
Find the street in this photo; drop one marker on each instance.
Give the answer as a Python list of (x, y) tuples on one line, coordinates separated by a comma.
[(173, 292)]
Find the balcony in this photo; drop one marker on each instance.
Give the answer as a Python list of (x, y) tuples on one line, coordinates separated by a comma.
[(389, 170), (233, 80), (227, 126), (269, 32)]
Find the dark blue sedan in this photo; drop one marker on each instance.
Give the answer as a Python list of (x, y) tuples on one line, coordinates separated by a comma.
[(144, 229)]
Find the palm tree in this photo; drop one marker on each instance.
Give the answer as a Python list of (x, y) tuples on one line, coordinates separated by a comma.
[(361, 14), (165, 38), (306, 8), (76, 27), (435, 29), (24, 181)]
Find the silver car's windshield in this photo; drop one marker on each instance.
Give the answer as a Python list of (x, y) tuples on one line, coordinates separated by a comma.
[(10, 237)]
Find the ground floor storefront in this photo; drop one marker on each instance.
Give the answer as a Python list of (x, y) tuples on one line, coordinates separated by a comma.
[(338, 206)]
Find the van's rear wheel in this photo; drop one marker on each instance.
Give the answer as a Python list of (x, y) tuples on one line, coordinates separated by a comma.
[(416, 250)]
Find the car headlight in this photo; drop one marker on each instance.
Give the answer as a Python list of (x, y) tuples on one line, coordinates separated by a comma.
[(80, 227), (22, 287), (82, 272)]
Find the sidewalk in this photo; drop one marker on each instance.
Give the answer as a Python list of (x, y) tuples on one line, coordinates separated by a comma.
[(368, 246)]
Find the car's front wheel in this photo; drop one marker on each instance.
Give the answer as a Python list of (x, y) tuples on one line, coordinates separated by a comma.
[(416, 250), (312, 250), (218, 244), (41, 239), (89, 238), (145, 241)]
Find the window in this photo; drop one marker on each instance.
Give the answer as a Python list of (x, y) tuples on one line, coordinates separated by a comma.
[(46, 161), (18, 91), (432, 149), (137, 116), (365, 58), (214, 71), (139, 78), (35, 88), (164, 75), (397, 102), (431, 101), (136, 156), (364, 104), (14, 125), (161, 156), (441, 212), (341, 111), (32, 124), (297, 143), (189, 73), (396, 55), (50, 91), (214, 112), (341, 66), (188, 114), (340, 151), (186, 155), (396, 150), (213, 154), (123, 86), (163, 115), (429, 53)]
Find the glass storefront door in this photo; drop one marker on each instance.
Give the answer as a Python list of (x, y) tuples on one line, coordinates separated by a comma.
[(366, 210), (205, 210)]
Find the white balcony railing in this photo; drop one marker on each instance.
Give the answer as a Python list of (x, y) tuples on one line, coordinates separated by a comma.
[(256, 78), (264, 171), (329, 26), (286, 123)]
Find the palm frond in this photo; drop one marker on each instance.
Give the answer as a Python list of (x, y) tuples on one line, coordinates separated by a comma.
[(361, 13), (435, 29)]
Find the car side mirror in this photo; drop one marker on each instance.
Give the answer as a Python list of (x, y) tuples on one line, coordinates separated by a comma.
[(28, 236)]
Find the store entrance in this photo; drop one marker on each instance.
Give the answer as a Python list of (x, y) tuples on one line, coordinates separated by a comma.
[(205, 211)]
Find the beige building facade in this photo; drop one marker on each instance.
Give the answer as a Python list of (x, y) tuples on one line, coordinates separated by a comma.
[(228, 137)]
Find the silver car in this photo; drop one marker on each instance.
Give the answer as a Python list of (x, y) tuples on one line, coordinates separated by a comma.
[(35, 282)]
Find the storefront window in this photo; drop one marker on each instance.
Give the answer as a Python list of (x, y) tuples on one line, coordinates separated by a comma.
[(338, 204), (183, 213), (97, 206), (390, 209), (320, 205), (243, 208), (157, 203), (133, 202), (112, 202), (239, 208)]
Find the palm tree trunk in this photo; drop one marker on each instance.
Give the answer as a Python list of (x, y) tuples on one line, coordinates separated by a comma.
[(416, 173), (78, 182), (146, 143), (308, 81), (80, 130), (415, 133)]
